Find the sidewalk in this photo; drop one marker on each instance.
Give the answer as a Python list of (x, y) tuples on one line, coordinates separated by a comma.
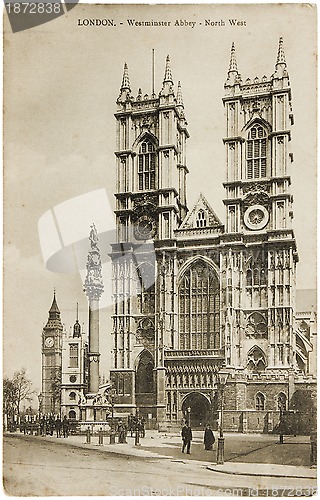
[(168, 446)]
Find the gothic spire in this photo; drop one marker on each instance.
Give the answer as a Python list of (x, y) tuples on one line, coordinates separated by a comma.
[(233, 61), (281, 57), (281, 65), (234, 76), (167, 73), (179, 96), (125, 79)]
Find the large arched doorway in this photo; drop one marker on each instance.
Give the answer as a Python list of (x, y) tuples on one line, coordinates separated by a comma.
[(196, 408)]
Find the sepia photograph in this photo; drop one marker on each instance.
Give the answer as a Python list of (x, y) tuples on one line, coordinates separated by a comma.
[(160, 249)]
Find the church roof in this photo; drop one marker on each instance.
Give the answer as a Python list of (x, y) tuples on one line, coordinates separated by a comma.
[(201, 216)]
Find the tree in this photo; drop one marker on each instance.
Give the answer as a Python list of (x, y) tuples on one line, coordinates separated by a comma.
[(16, 390)]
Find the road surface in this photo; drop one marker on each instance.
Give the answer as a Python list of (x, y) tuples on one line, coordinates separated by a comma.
[(37, 467)]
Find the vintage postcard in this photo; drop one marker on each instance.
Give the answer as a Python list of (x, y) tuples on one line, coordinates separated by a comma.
[(160, 219)]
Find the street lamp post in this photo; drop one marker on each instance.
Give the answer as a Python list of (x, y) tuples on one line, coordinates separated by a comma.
[(222, 380), (189, 416)]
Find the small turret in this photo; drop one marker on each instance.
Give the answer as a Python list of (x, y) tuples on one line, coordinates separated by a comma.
[(281, 65), (125, 89), (234, 76), (167, 85)]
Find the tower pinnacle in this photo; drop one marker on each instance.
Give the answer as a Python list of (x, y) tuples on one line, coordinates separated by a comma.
[(167, 73), (125, 89), (281, 65), (167, 85), (179, 96), (125, 79), (234, 76), (281, 57), (233, 61)]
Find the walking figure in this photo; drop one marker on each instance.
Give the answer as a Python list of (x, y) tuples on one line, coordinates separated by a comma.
[(209, 439), (58, 426), (65, 427), (186, 434)]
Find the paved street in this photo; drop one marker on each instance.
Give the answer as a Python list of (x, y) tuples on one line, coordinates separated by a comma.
[(50, 466)]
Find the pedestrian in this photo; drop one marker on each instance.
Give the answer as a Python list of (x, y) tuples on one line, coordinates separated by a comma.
[(65, 427), (209, 439), (186, 434), (122, 433), (51, 424), (58, 425)]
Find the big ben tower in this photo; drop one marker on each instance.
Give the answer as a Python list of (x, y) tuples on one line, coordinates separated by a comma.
[(52, 360), (150, 205), (259, 259)]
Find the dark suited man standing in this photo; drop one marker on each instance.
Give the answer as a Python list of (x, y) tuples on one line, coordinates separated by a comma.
[(186, 434)]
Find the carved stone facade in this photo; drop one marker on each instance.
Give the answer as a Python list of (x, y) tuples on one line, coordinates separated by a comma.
[(192, 295)]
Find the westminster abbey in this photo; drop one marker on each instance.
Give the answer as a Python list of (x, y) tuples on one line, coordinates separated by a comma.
[(193, 295)]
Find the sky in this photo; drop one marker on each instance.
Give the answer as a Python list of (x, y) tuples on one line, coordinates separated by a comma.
[(61, 81)]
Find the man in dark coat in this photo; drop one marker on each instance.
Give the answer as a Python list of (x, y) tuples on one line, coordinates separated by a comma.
[(65, 427), (186, 434), (208, 439), (58, 426)]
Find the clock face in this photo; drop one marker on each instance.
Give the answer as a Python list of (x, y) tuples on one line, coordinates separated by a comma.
[(256, 217), (49, 342), (145, 228)]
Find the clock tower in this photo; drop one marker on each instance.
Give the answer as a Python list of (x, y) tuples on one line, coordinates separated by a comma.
[(52, 360)]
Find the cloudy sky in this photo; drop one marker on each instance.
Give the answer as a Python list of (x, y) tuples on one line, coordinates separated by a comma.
[(61, 84)]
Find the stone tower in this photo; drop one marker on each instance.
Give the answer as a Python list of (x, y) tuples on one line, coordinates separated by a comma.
[(150, 205), (52, 360)]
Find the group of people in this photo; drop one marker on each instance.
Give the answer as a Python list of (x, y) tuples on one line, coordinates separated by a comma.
[(136, 423), (46, 425), (186, 435)]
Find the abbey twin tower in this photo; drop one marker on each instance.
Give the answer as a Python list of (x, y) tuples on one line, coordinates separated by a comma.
[(193, 296)]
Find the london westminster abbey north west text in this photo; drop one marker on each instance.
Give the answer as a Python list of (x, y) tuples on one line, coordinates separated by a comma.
[(192, 295)]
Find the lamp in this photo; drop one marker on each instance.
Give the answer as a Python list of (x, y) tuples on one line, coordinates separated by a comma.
[(222, 380)]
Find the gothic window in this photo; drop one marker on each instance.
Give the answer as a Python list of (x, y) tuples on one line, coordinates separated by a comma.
[(199, 308), (201, 218), (257, 153), (146, 166), (144, 376), (282, 402), (73, 359), (72, 396), (256, 359), (72, 415), (260, 401)]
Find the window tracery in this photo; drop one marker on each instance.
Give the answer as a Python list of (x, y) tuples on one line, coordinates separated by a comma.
[(256, 153), (199, 308), (146, 166)]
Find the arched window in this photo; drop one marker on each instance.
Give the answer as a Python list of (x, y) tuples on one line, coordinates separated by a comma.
[(144, 376), (201, 218), (146, 166), (256, 359), (260, 401), (72, 415), (199, 308), (72, 396), (282, 402), (257, 153), (146, 288)]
